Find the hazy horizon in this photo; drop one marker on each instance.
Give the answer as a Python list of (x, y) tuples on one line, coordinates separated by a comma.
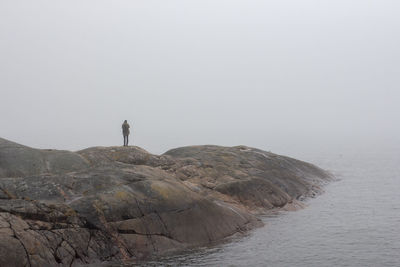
[(278, 75)]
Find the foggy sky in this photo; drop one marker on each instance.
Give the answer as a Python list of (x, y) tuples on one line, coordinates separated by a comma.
[(277, 75)]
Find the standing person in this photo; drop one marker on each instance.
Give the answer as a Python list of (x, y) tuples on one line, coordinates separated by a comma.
[(125, 132)]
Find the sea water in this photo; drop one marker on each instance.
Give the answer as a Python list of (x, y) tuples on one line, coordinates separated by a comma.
[(356, 222)]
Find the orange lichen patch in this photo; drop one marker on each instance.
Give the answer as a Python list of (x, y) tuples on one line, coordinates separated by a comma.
[(117, 155), (228, 158), (122, 195), (162, 189), (166, 190), (32, 248), (70, 213), (99, 186), (65, 196), (9, 194), (98, 206)]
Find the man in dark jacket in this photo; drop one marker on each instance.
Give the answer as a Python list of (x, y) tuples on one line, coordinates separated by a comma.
[(125, 132)]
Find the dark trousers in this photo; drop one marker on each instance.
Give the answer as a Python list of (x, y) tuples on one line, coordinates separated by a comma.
[(125, 140)]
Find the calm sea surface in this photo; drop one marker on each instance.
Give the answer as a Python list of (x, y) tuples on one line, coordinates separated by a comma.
[(356, 222)]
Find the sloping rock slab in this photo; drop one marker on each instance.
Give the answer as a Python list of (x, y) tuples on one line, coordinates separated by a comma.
[(60, 208)]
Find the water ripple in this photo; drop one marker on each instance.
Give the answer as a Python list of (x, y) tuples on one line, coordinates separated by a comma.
[(355, 223)]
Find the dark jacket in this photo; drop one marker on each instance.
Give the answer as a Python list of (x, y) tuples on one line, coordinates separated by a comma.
[(125, 129)]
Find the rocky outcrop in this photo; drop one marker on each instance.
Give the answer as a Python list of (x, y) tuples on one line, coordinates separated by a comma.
[(59, 208)]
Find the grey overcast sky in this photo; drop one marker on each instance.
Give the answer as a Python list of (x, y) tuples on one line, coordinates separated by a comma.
[(278, 75)]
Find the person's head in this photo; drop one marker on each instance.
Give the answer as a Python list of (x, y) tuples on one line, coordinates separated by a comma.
[(125, 121)]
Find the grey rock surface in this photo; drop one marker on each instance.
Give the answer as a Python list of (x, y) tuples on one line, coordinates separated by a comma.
[(60, 208)]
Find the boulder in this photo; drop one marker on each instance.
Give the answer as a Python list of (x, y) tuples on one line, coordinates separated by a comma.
[(61, 208)]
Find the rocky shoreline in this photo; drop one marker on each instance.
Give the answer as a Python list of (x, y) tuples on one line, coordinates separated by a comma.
[(62, 208)]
